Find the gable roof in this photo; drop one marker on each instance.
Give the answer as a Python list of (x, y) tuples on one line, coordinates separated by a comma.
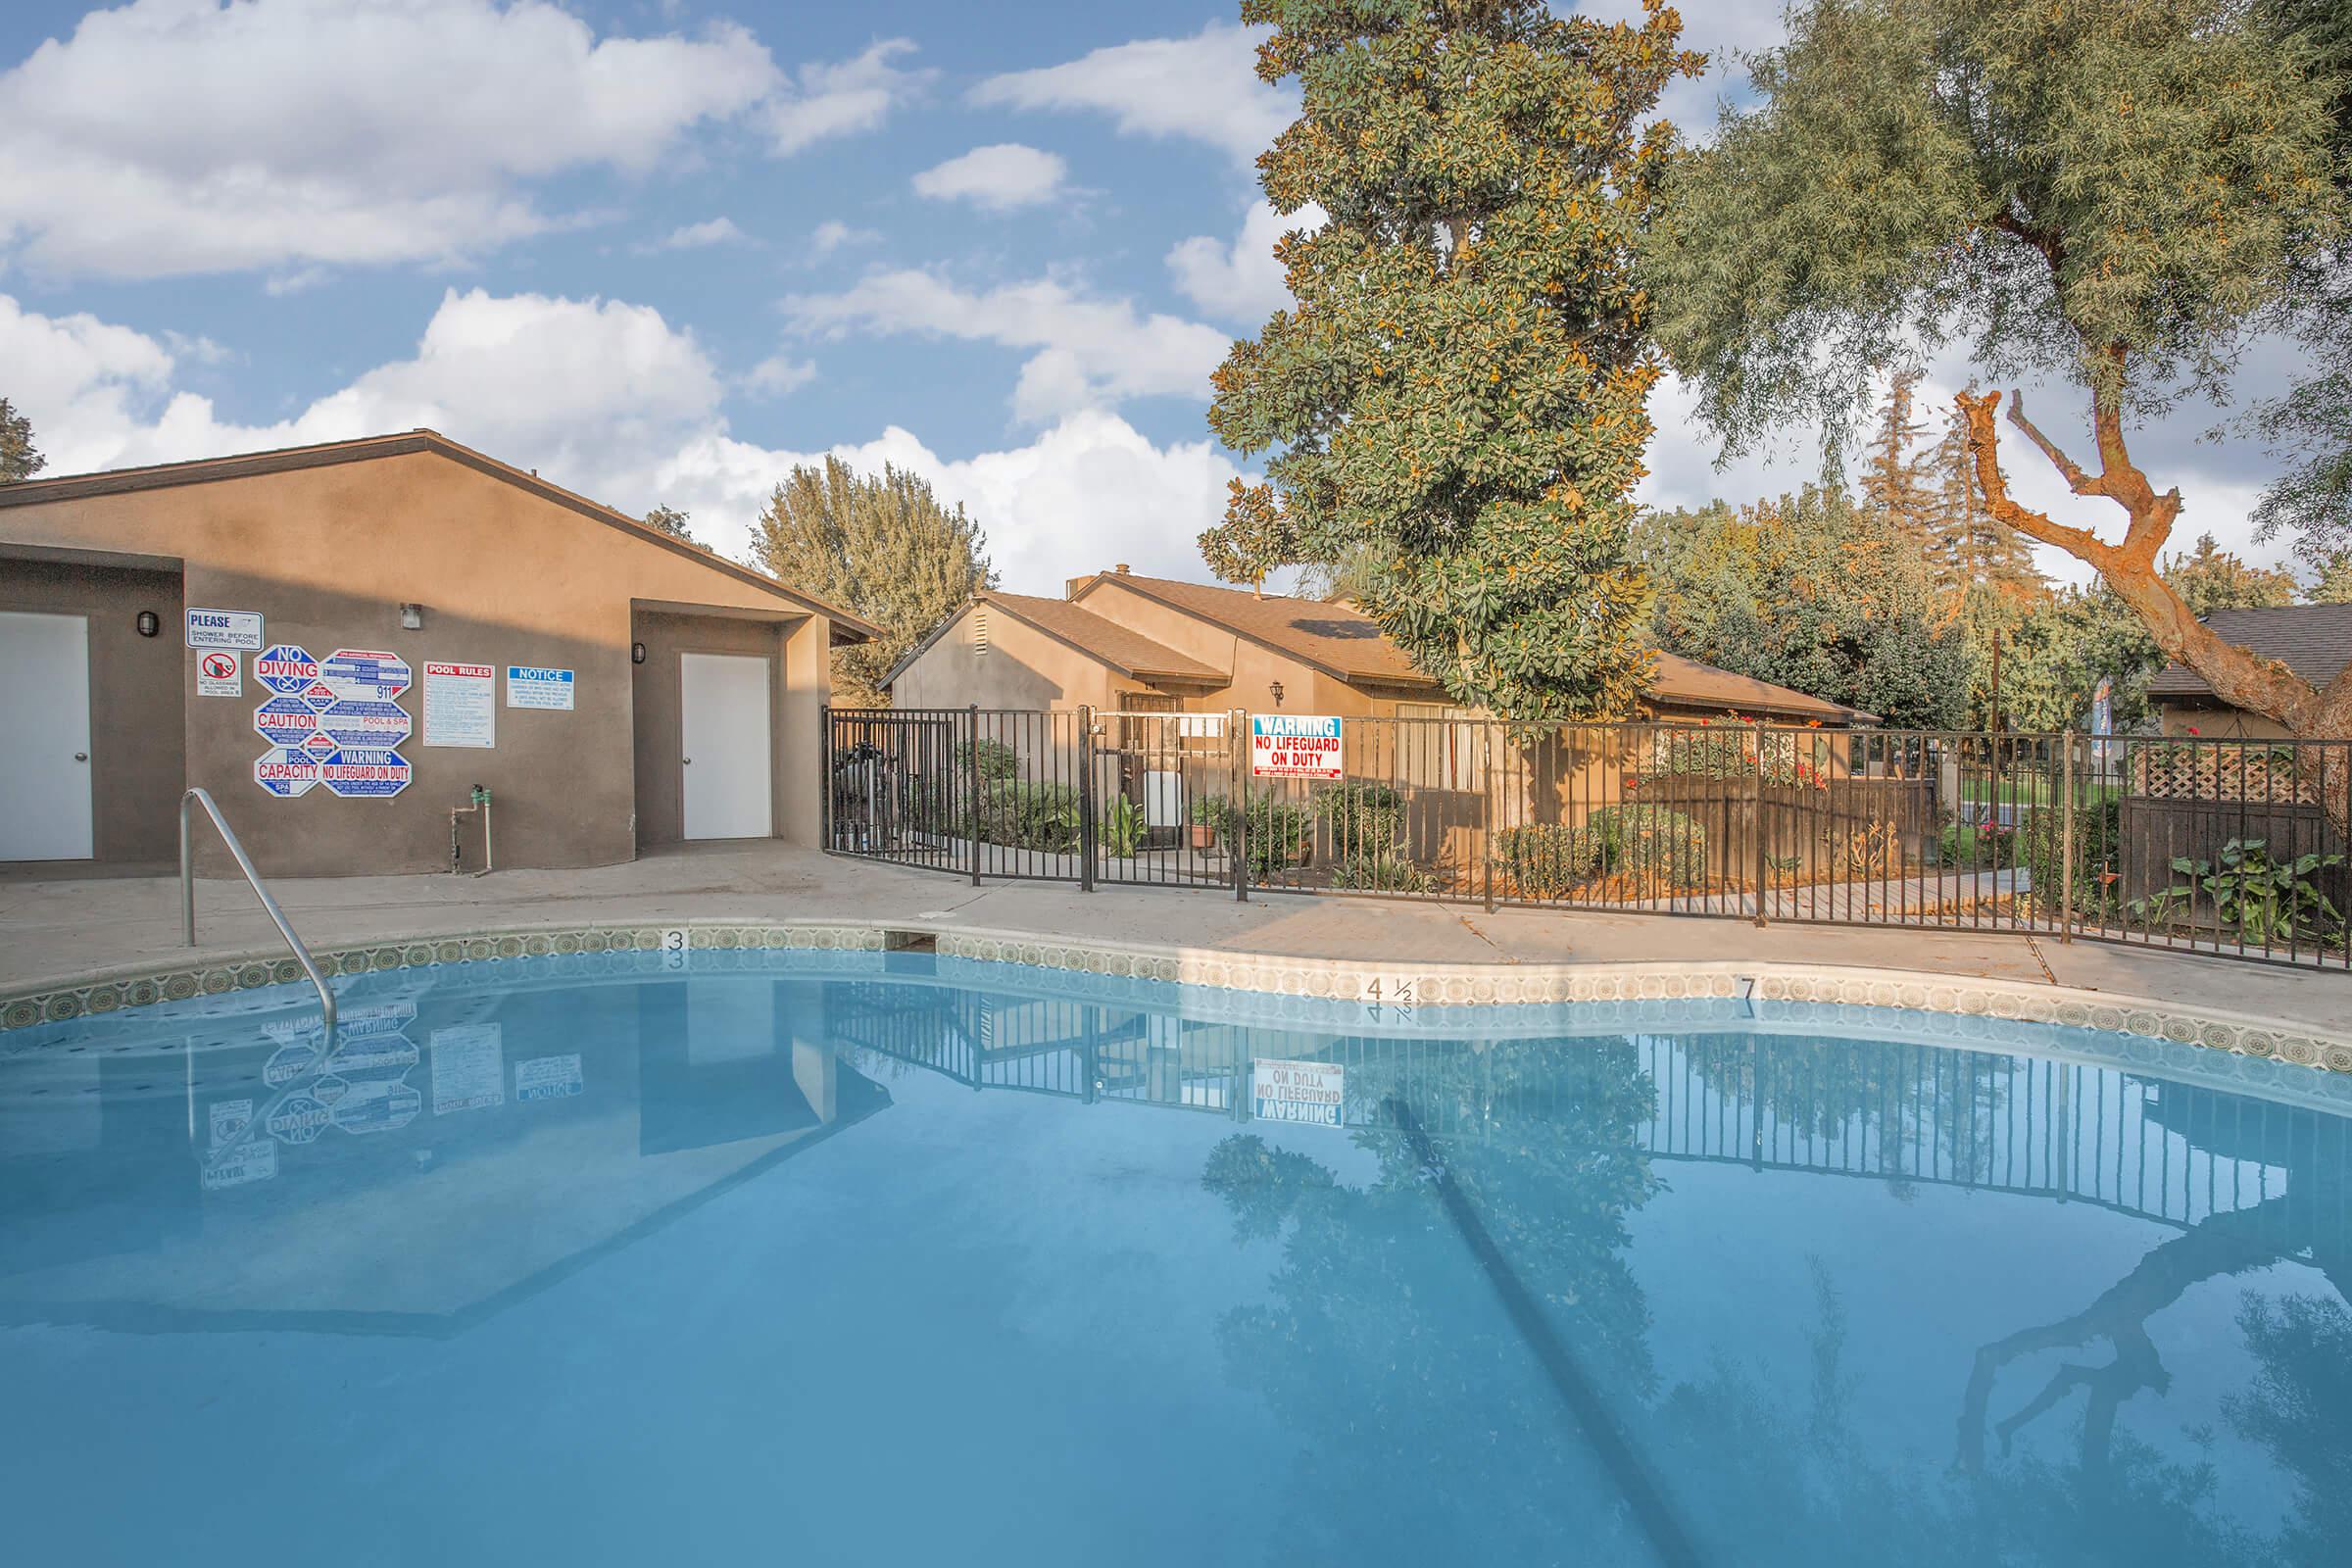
[(1119, 649), (1348, 645), (1338, 639), (2315, 641), (847, 627)]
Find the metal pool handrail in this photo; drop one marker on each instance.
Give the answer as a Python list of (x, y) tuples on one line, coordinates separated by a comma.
[(253, 878)]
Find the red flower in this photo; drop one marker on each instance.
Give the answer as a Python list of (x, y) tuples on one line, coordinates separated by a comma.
[(2193, 730)]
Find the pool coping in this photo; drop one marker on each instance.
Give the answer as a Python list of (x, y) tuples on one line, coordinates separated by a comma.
[(1402, 984)]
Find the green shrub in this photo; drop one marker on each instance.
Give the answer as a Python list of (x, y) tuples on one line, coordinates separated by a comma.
[(1276, 834), (1651, 841), (1212, 811), (1984, 845), (1379, 872), (999, 763), (1363, 817), (1546, 860), (2041, 848), (1029, 817)]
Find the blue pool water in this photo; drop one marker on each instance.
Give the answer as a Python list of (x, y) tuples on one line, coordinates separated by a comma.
[(854, 1258)]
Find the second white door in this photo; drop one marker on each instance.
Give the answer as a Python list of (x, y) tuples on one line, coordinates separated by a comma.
[(724, 703)]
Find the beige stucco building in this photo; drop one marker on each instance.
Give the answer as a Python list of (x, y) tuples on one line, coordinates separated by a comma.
[(497, 630)]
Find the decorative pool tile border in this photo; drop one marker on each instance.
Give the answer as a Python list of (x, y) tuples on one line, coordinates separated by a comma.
[(1788, 988)]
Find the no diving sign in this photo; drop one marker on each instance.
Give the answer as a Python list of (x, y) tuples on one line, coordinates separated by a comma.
[(1312, 1093)]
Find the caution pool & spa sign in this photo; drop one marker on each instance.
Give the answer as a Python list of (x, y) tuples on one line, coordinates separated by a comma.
[(1314, 1093), (1294, 745)]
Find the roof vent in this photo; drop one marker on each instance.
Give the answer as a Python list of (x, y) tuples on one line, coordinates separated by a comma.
[(980, 634)]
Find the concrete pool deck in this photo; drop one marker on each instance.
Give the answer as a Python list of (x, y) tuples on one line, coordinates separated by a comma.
[(57, 932)]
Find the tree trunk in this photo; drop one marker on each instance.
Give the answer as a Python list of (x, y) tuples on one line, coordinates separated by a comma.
[(2238, 675)]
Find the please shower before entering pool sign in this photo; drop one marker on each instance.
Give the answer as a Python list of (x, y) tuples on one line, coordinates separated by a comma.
[(1311, 1093)]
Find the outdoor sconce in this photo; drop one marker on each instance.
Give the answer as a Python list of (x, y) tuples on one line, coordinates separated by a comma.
[(411, 617), (1275, 687), (149, 623), (636, 653)]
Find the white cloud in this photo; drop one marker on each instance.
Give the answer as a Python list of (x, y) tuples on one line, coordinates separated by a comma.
[(1202, 88), (1239, 282), (833, 234), (1000, 178), (698, 236), (846, 98), (607, 398), (1089, 350), (779, 376), (173, 137)]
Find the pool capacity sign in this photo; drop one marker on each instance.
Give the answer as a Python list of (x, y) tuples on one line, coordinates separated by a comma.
[(1294, 745)]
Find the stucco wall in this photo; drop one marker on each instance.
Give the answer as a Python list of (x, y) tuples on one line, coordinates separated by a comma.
[(1021, 668), (136, 702), (506, 576)]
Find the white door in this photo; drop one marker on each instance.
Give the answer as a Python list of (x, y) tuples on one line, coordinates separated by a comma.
[(45, 737), (724, 705)]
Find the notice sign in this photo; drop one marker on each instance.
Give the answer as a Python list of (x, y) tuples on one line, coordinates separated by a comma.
[(1294, 745), (226, 628), (1310, 1092), (220, 673), (460, 705), (529, 686)]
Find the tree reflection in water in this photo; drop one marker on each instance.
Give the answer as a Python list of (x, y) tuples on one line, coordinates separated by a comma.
[(1555, 1145)]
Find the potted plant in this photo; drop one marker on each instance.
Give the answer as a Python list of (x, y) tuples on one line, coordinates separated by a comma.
[(1207, 812)]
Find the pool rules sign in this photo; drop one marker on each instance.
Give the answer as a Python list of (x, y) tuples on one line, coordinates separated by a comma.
[(1294, 745)]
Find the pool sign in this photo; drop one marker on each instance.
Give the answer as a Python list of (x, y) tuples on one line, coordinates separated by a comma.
[(363, 721), (1294, 745), (354, 675), (549, 1078), (253, 1160), (229, 1118), (459, 704), (1312, 1093), (363, 772), (286, 771), (300, 1120), (320, 695), (226, 628), (289, 1063), (220, 672), (285, 720), (377, 1107), (529, 686), (286, 670)]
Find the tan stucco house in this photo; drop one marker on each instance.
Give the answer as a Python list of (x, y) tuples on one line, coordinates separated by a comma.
[(1148, 644), (340, 642)]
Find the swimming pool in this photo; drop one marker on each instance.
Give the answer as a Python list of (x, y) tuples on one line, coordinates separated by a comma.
[(864, 1257)]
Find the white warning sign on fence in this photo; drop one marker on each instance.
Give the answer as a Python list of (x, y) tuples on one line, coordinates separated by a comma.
[(1294, 746), (1314, 1093)]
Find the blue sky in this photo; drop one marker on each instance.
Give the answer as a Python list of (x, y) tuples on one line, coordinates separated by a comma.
[(661, 251)]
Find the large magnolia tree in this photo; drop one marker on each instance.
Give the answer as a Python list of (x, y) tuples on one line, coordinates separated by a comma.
[(2114, 192), (1456, 406)]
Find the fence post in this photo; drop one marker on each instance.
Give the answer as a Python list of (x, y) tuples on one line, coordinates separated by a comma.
[(1485, 790), (1086, 797), (971, 782), (824, 777), (1757, 820), (2065, 846), (1237, 743)]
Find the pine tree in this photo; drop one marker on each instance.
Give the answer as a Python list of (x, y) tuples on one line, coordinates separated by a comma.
[(17, 458), (1972, 546), (1895, 479)]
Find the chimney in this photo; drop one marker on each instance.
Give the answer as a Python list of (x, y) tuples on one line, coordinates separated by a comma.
[(1070, 586), (1120, 568)]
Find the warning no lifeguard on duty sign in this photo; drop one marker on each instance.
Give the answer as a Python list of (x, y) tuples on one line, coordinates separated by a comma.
[(1311, 1092), (1294, 745)]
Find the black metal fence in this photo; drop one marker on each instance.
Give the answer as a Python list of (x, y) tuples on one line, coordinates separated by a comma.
[(2227, 846)]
